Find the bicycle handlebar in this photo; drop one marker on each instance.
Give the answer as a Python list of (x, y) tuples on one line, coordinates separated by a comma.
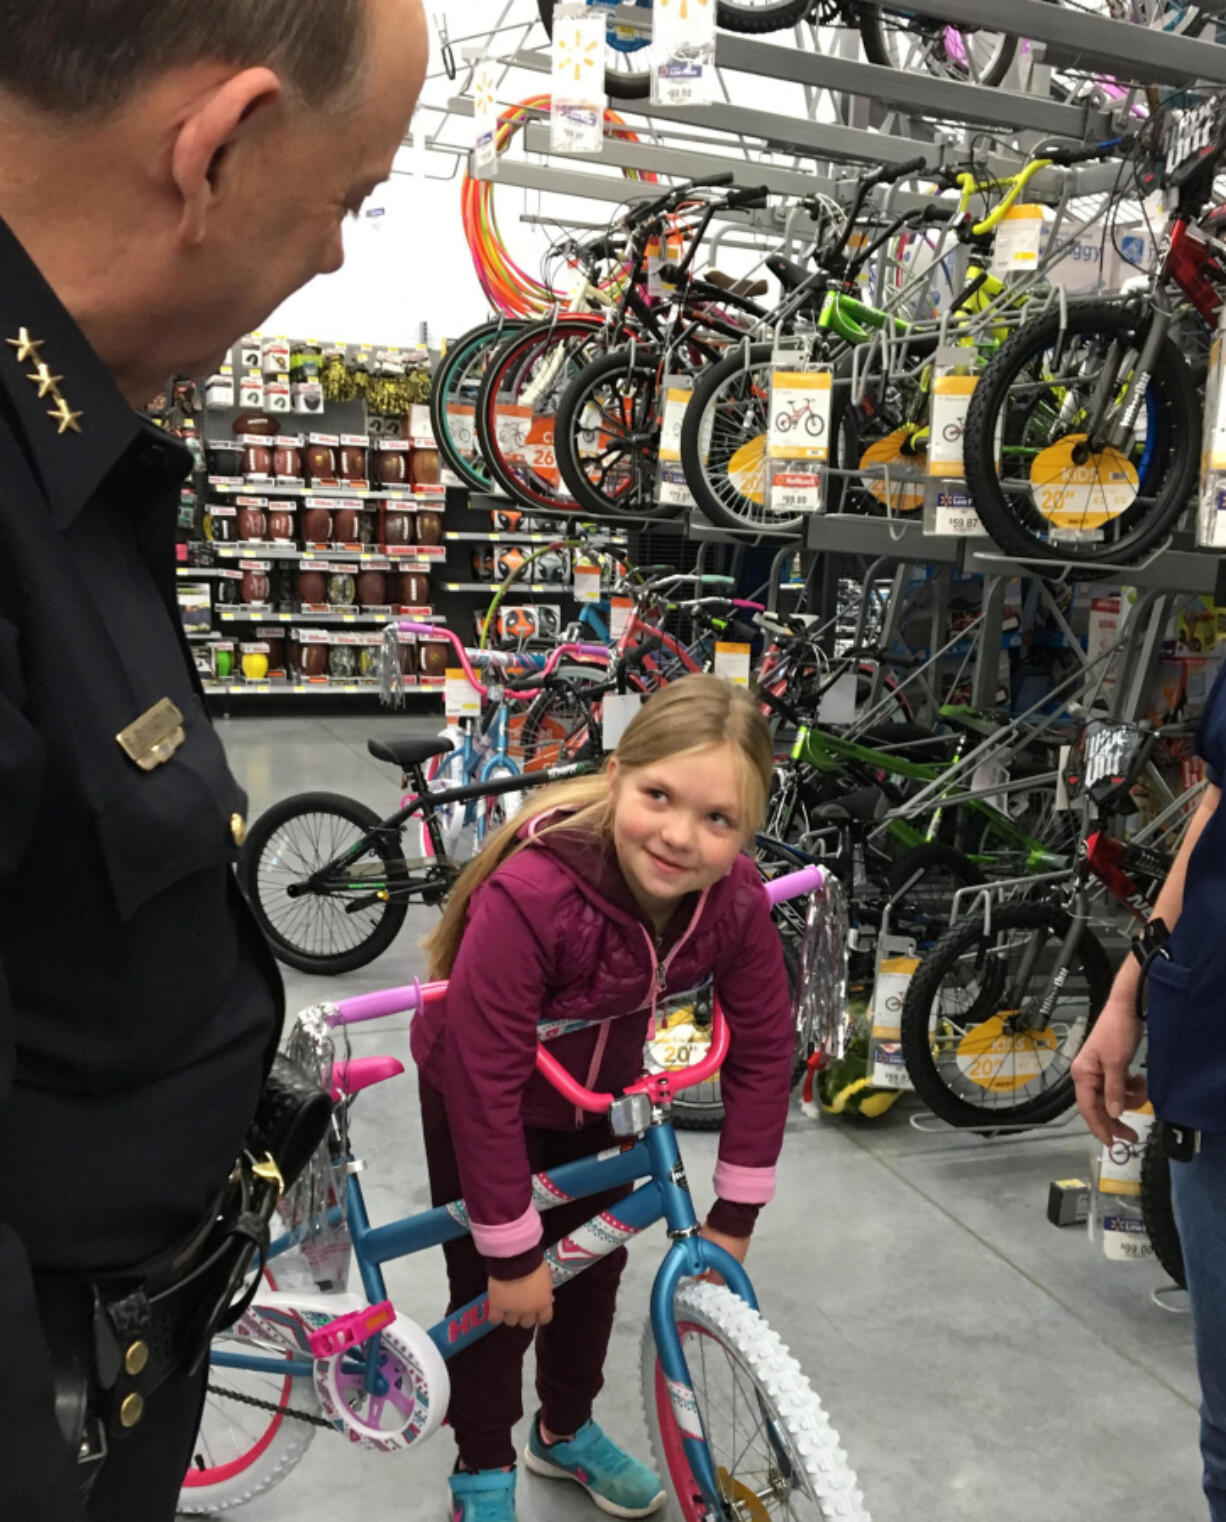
[(588, 652), (659, 1087)]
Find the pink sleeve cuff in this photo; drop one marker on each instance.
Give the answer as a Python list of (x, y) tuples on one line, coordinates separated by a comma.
[(509, 1240), (744, 1186)]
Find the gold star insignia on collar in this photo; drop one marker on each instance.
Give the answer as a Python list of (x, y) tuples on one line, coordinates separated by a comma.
[(27, 347), (46, 382), (65, 417)]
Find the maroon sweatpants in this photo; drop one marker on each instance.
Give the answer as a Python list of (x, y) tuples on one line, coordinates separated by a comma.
[(487, 1378)]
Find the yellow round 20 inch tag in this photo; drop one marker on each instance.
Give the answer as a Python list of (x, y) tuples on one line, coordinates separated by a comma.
[(1073, 496)]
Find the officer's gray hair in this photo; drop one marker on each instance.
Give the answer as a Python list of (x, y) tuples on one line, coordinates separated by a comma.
[(86, 58)]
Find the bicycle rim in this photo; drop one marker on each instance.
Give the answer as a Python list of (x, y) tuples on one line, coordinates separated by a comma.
[(453, 401), (320, 924), (724, 444), (919, 44), (518, 406), (981, 1054), (608, 435)]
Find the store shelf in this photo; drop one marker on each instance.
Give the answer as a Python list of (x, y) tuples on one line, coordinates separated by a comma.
[(325, 493), (301, 689), (256, 550), (255, 616), (499, 538), (562, 589), (899, 538)]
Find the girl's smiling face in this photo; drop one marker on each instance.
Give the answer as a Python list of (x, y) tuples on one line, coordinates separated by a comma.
[(678, 824)]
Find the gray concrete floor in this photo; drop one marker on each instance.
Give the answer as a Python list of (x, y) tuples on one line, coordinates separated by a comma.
[(980, 1365)]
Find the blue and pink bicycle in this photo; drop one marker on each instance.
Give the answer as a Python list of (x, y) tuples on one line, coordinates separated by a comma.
[(738, 1432)]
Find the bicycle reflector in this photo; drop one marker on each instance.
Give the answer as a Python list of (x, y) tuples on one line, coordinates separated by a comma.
[(1106, 761)]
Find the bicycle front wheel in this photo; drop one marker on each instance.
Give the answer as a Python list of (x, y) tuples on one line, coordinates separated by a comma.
[(453, 399), (341, 923), (1039, 488), (972, 1056), (772, 1447)]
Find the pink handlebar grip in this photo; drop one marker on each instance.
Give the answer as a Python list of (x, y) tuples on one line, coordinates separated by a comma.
[(794, 884), (388, 1001)]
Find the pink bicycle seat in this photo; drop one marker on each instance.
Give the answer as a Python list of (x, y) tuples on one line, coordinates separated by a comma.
[(363, 1073)]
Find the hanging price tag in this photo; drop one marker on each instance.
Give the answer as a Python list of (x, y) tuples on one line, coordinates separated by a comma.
[(617, 712), (577, 107), (462, 422), (461, 699), (620, 609), (539, 452), (800, 415), (683, 52), (421, 429), (587, 582), (677, 394), (951, 401), (1019, 240), (732, 663), (1211, 507), (485, 111), (1120, 1169)]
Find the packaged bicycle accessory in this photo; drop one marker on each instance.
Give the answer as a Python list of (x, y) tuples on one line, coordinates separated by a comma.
[(798, 441), (948, 507), (1115, 1216), (683, 54), (671, 487), (1211, 513), (576, 116)]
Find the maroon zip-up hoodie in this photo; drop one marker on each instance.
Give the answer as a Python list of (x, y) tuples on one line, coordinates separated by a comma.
[(554, 936)]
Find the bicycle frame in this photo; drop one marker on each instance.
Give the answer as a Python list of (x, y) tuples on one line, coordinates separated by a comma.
[(664, 1195)]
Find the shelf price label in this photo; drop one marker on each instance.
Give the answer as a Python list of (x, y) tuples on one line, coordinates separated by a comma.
[(732, 663), (794, 491), (460, 698)]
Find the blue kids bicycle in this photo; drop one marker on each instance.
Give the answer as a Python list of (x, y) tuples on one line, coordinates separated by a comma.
[(738, 1432)]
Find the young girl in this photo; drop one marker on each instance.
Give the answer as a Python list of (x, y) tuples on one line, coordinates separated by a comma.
[(598, 900)]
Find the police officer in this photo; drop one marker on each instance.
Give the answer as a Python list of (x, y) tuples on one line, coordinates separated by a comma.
[(170, 171), (1185, 987)]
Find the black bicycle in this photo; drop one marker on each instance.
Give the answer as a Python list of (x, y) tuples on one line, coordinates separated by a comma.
[(329, 881)]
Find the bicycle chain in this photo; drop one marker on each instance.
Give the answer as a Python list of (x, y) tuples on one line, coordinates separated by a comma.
[(273, 1406)]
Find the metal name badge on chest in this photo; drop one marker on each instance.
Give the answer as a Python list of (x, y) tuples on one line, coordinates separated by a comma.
[(154, 737)]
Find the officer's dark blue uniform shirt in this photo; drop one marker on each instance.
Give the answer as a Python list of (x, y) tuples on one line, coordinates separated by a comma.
[(1187, 993), (138, 1004)]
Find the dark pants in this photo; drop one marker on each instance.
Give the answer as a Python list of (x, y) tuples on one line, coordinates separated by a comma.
[(1199, 1189), (143, 1473), (487, 1378)]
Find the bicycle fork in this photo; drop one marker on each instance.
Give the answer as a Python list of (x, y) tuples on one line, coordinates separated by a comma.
[(1040, 1017)]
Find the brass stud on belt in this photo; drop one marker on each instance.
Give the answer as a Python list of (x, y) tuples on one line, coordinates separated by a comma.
[(238, 829), (136, 1358), (131, 1411)]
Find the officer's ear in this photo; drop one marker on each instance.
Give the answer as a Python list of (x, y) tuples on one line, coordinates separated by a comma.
[(205, 143)]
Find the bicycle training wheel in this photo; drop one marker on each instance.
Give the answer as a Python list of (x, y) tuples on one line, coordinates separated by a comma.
[(248, 1440), (772, 1447), (453, 399), (1038, 489), (340, 923), (970, 1056), (899, 39)]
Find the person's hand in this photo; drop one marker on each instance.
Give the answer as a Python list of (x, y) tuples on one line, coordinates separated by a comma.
[(523, 1302), (1105, 1087), (737, 1246)]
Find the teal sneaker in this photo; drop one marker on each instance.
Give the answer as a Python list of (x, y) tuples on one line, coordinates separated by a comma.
[(486, 1496), (618, 1483)]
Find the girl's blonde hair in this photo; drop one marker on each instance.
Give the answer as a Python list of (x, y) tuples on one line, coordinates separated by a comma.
[(693, 714)]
